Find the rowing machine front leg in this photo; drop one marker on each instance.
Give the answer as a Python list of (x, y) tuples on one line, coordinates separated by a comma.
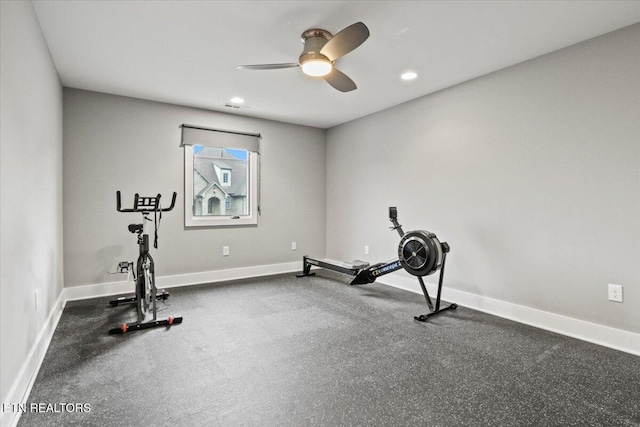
[(306, 268)]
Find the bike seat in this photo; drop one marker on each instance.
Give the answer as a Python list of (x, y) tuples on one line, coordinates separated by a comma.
[(135, 228)]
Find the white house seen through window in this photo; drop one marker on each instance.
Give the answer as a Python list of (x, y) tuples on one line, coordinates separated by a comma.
[(220, 185)]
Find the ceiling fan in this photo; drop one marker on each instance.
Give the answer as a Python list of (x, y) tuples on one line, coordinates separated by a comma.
[(320, 52)]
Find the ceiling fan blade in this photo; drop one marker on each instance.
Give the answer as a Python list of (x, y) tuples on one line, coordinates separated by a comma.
[(345, 41), (340, 81), (267, 66)]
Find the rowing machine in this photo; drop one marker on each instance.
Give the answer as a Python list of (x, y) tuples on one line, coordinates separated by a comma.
[(420, 253)]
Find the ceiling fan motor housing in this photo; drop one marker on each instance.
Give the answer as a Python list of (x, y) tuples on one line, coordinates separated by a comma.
[(420, 253), (314, 39)]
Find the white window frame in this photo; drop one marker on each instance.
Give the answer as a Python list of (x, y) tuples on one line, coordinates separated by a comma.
[(190, 220)]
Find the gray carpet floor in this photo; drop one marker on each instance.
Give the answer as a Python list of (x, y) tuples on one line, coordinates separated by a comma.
[(282, 351)]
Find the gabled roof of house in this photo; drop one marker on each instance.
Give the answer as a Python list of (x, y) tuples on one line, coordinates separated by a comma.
[(207, 158), (208, 187), (222, 165)]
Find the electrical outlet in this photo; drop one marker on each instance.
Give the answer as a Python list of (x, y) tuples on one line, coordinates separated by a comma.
[(225, 251), (293, 246), (37, 300), (366, 249), (615, 293)]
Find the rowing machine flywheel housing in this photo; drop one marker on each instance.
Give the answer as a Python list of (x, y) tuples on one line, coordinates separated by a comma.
[(420, 253)]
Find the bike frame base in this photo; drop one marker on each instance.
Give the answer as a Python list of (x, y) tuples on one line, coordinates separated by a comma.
[(162, 295), (132, 327)]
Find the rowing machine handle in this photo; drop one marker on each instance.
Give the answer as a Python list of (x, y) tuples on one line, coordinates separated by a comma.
[(393, 217), (393, 213)]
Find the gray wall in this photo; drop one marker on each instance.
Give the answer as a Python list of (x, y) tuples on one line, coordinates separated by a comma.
[(115, 143), (530, 173), (30, 186)]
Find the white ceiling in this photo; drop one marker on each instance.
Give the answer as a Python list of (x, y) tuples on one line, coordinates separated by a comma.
[(186, 52)]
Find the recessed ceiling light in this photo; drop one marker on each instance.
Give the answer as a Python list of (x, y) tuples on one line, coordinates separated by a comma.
[(409, 75), (236, 100)]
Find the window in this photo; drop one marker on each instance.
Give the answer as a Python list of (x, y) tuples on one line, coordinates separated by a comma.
[(221, 183)]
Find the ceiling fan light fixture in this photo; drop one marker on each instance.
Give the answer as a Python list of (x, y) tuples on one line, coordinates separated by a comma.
[(315, 65)]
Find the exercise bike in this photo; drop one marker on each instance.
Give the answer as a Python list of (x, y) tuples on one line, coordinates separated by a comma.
[(420, 253), (146, 292)]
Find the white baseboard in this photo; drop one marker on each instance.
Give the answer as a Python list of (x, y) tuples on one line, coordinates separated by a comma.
[(115, 288), (616, 339), (226, 275), (21, 387)]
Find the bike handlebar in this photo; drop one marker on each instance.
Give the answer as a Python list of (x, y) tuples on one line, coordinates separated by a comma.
[(145, 204)]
